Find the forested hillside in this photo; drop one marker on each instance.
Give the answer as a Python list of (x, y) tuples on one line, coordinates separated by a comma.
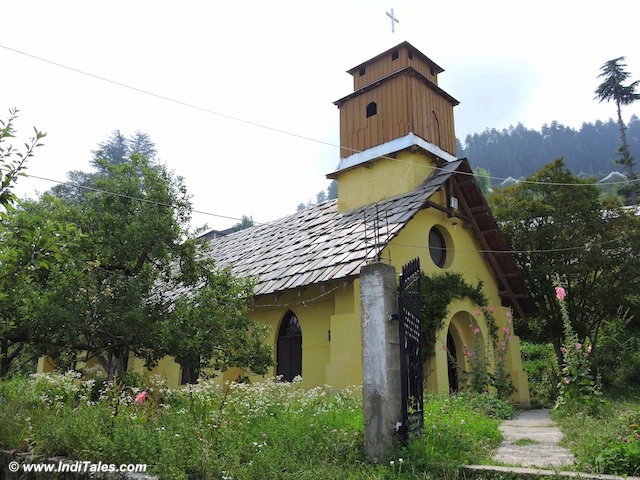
[(519, 151)]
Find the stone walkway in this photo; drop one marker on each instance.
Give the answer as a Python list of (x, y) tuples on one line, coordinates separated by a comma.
[(532, 440), (530, 449)]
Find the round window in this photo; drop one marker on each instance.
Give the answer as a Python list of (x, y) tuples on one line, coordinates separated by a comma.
[(437, 247)]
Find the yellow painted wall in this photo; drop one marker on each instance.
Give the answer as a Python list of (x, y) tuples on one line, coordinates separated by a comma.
[(383, 178), (463, 257)]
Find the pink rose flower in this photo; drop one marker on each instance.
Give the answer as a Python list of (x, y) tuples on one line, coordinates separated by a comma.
[(560, 293), (477, 313), (476, 330), (140, 397), (491, 309), (589, 349), (578, 346)]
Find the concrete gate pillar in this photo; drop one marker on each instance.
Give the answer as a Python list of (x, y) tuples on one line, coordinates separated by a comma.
[(380, 359)]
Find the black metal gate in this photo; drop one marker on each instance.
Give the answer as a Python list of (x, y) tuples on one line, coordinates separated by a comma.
[(409, 307)]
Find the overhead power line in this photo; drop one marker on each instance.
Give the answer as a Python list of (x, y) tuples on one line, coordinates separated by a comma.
[(168, 205), (266, 127), (121, 195)]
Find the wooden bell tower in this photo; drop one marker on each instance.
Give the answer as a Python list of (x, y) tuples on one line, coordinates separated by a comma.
[(395, 94)]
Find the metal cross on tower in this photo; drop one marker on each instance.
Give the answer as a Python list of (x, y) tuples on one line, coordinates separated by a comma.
[(394, 20)]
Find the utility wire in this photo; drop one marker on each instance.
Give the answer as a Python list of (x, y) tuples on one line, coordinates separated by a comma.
[(122, 195), (230, 117), (153, 202), (273, 129)]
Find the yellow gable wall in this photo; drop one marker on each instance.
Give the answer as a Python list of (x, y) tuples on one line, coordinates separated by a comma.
[(383, 178), (463, 257)]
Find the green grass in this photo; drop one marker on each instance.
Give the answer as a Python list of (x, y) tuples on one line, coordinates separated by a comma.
[(523, 442), (608, 443), (263, 430)]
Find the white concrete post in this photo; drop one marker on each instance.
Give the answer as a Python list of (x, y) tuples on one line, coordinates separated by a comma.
[(380, 359)]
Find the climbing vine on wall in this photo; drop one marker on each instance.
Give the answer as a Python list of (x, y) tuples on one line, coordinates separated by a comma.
[(438, 291)]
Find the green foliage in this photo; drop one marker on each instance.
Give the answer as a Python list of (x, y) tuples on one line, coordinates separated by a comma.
[(116, 150), (608, 443), (594, 248), (211, 327), (617, 352), (621, 457), (455, 433), (578, 391), (245, 222), (133, 281), (254, 431), (12, 161), (34, 240), (523, 442), (612, 88), (484, 180), (438, 291), (478, 378), (20, 263), (482, 376), (500, 378), (614, 74), (539, 361), (491, 405), (322, 196), (518, 151)]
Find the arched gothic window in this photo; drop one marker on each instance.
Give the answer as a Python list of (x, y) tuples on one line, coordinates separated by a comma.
[(289, 348)]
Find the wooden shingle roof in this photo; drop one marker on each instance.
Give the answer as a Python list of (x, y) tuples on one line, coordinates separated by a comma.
[(320, 244)]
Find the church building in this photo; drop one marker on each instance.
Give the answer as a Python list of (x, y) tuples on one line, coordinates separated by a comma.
[(402, 194)]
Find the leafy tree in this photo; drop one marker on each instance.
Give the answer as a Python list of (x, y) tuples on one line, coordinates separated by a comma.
[(245, 222), (122, 294), (33, 240), (612, 88), (116, 150), (559, 230), (211, 327), (484, 180), (322, 196), (12, 161), (332, 190), (28, 245)]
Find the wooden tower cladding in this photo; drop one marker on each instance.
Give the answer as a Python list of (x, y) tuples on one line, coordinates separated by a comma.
[(396, 93)]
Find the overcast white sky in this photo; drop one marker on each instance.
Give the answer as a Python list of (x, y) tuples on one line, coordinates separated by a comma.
[(281, 65)]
